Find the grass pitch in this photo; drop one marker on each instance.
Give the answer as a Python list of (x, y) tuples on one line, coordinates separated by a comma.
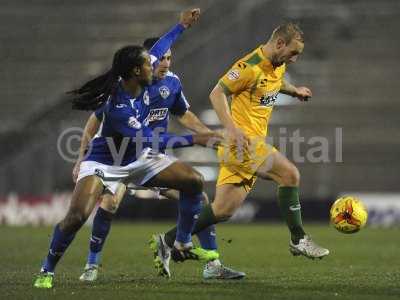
[(364, 266)]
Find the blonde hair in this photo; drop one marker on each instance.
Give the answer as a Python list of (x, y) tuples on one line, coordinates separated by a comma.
[(288, 32)]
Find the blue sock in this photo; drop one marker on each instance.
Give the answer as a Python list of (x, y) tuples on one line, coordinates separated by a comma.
[(100, 229), (208, 238), (189, 208), (59, 243)]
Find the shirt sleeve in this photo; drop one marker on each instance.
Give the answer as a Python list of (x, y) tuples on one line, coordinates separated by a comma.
[(237, 79), (164, 43), (99, 113), (180, 105)]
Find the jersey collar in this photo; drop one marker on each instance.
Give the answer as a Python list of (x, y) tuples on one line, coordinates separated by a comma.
[(125, 96), (265, 63)]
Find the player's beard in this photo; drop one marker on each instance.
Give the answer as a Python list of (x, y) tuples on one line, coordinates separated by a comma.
[(276, 61)]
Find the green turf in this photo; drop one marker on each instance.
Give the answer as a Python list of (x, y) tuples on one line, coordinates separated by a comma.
[(364, 266)]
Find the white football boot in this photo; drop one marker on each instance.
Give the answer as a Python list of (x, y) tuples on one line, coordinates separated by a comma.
[(215, 270), (90, 273), (308, 248)]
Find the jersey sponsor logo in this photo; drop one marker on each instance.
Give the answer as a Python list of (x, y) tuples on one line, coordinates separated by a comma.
[(99, 173), (156, 114), (164, 92), (134, 123), (121, 105), (268, 99), (233, 74), (146, 98)]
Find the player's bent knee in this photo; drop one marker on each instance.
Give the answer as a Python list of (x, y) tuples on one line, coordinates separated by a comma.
[(195, 184), (223, 216), (110, 205), (223, 213), (291, 177)]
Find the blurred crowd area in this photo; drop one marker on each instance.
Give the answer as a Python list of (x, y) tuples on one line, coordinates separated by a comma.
[(351, 62)]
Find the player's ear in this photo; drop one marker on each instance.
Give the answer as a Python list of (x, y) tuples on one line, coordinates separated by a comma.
[(280, 43)]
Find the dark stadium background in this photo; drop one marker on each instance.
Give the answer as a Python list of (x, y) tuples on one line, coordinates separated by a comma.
[(351, 62)]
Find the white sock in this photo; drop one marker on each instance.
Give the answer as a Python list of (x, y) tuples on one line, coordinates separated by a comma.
[(183, 246)]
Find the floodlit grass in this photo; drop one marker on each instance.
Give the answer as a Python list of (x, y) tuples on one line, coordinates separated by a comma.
[(364, 266)]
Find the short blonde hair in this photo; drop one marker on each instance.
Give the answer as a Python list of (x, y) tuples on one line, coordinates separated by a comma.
[(288, 32)]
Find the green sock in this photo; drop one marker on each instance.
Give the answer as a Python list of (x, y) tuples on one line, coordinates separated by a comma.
[(289, 203), (206, 218)]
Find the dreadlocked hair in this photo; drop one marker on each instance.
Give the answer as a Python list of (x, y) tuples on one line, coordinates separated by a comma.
[(95, 92)]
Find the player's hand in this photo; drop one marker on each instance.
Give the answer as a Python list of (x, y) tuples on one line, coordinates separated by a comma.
[(75, 170), (237, 137), (303, 93), (189, 17), (210, 139)]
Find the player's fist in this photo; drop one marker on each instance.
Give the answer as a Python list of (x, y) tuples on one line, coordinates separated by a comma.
[(210, 139), (189, 17), (303, 93)]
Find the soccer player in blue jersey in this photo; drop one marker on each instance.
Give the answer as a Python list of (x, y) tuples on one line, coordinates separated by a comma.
[(165, 97), (124, 151)]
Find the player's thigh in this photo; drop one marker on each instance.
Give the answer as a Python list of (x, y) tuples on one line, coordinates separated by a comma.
[(110, 202), (179, 176), (86, 193), (228, 198), (84, 198), (278, 168)]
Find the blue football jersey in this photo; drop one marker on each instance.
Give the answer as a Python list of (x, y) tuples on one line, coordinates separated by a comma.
[(120, 123), (165, 96), (124, 132)]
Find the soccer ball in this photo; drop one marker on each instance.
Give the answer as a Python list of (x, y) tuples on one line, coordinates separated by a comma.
[(348, 214)]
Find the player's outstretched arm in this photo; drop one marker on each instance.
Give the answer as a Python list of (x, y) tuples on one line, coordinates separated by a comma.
[(190, 121), (143, 136), (187, 19), (171, 141), (302, 93), (91, 128)]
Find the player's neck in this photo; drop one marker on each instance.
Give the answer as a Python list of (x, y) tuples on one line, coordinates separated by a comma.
[(132, 87), (267, 51)]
